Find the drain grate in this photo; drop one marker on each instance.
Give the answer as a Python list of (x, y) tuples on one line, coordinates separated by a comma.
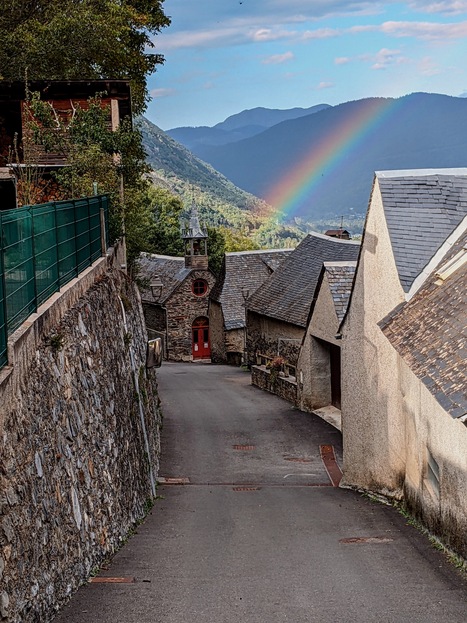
[(105, 580), (243, 447), (366, 539), (329, 460), (246, 488)]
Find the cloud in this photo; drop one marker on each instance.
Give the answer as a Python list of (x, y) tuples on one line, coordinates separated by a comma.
[(278, 59), (321, 33), (342, 60), (425, 30), (162, 92), (324, 85), (448, 7), (269, 34), (385, 58)]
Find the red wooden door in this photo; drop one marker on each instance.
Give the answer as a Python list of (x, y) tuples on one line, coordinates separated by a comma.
[(201, 348)]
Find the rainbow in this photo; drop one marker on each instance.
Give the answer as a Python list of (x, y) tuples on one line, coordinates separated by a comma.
[(301, 183)]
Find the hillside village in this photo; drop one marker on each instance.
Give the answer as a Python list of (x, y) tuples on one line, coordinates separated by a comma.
[(368, 335)]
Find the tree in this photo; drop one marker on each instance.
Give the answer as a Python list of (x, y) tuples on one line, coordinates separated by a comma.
[(166, 211), (96, 155), (216, 249), (82, 39), (237, 241)]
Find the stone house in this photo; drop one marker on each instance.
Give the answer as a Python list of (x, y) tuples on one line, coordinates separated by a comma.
[(404, 382), (242, 274), (277, 313), (319, 363), (176, 296)]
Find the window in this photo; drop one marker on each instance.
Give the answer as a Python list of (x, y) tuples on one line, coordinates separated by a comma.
[(200, 287)]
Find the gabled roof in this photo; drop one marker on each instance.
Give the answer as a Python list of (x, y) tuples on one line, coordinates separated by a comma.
[(170, 269), (242, 274), (340, 278), (430, 333), (288, 293), (422, 208)]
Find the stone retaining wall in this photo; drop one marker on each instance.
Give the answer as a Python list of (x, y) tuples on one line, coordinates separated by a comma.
[(284, 387), (74, 469)]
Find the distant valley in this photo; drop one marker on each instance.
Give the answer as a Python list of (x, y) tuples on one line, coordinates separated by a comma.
[(335, 150), (352, 140)]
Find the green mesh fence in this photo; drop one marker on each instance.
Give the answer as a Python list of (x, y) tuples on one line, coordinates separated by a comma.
[(42, 248)]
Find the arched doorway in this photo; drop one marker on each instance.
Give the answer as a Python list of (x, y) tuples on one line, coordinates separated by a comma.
[(200, 343)]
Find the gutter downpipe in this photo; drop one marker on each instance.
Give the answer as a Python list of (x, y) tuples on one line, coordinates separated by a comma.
[(140, 404)]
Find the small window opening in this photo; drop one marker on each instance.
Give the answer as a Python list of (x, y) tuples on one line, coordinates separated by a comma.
[(200, 287)]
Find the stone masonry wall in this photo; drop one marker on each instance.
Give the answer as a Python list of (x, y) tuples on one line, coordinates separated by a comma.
[(217, 333), (280, 386), (183, 307), (74, 470), (271, 338)]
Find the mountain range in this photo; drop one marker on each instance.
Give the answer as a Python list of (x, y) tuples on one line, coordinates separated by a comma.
[(338, 148), (237, 127)]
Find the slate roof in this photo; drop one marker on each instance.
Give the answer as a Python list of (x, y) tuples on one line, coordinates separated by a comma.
[(170, 269), (243, 271), (340, 278), (288, 293), (422, 208), (430, 334)]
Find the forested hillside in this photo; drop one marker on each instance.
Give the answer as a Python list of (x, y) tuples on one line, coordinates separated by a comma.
[(220, 202)]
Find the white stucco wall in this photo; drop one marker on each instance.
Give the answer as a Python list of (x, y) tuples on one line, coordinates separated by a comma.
[(372, 423), (314, 372), (429, 428), (391, 421)]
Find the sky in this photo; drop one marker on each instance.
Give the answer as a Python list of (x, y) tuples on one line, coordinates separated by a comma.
[(225, 56)]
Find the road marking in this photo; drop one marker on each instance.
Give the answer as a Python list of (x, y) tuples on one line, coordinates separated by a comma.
[(260, 485), (105, 580), (366, 539), (329, 460), (173, 481)]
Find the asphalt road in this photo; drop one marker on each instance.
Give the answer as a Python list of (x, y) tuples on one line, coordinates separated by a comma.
[(260, 534)]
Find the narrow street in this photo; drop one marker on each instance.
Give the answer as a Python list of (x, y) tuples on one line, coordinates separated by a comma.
[(258, 533)]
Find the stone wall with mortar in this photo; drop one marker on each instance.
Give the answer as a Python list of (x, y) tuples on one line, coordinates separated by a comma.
[(183, 308), (270, 337), (217, 333), (282, 386), (74, 470)]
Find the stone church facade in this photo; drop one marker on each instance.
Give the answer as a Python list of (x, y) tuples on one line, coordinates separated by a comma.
[(176, 299)]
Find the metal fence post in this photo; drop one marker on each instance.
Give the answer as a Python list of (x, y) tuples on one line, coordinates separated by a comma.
[(33, 246), (89, 231), (3, 308), (103, 232)]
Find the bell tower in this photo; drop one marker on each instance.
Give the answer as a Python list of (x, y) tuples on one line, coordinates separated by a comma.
[(196, 238)]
